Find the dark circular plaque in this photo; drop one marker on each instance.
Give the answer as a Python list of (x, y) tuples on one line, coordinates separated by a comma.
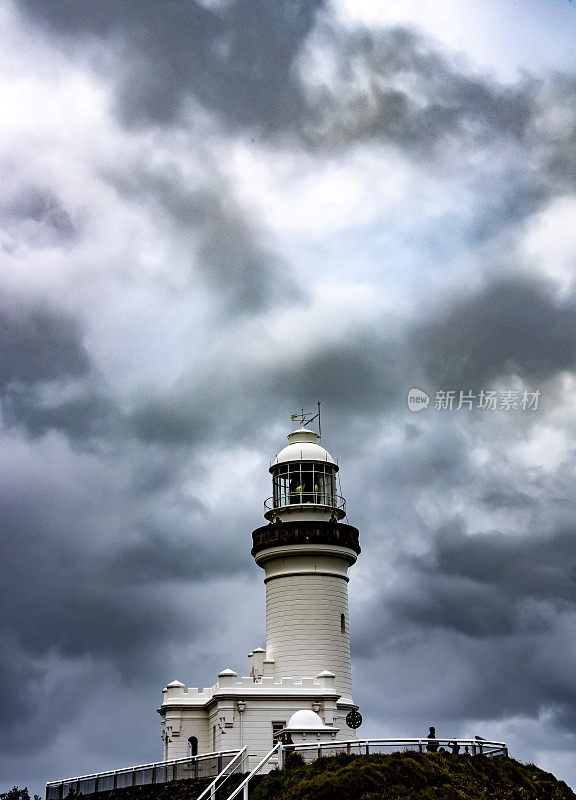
[(354, 719)]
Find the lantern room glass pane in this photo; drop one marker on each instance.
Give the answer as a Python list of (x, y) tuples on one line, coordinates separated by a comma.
[(304, 482), (281, 494)]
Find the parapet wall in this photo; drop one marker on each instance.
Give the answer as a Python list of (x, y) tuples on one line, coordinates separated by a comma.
[(247, 685)]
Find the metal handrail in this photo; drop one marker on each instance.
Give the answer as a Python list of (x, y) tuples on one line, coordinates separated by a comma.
[(213, 786), (478, 745), (243, 787), (153, 764), (325, 499)]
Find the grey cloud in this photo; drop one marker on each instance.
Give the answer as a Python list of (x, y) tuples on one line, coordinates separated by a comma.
[(237, 62), (103, 605), (367, 104), (242, 63), (248, 65), (161, 553), (361, 372), (497, 498), (479, 624), (556, 148), (46, 373), (519, 566), (65, 601), (486, 586), (168, 421), (37, 701), (512, 327), (34, 204), (88, 416), (38, 343), (226, 247), (515, 199)]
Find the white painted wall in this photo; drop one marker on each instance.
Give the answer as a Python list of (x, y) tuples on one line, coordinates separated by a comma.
[(306, 595), (252, 728)]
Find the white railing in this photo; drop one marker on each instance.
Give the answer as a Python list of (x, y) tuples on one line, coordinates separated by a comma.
[(227, 762), (206, 765), (223, 776), (244, 786), (314, 750)]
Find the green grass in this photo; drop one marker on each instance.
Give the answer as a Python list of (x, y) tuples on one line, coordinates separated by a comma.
[(412, 776)]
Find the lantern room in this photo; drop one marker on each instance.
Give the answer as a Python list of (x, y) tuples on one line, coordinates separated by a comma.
[(304, 481)]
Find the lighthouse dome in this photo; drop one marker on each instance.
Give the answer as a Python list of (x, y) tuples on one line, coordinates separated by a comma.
[(305, 719), (303, 447)]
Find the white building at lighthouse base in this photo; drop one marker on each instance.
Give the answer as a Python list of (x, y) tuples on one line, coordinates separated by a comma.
[(246, 711)]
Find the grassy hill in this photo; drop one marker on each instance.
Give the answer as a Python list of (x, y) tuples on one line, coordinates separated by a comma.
[(412, 776), (398, 776)]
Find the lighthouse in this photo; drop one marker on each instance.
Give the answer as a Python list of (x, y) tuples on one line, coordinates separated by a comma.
[(305, 551)]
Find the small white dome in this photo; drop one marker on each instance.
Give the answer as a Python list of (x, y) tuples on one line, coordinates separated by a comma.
[(303, 447), (305, 719)]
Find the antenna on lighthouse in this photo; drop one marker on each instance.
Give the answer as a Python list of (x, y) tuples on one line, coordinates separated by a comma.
[(306, 417)]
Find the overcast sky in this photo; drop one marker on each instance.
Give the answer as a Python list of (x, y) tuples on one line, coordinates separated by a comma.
[(214, 213)]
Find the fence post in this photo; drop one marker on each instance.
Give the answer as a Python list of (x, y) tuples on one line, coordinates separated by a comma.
[(419, 745), (96, 781), (280, 757), (367, 749)]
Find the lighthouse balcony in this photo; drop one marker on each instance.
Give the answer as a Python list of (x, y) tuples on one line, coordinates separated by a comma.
[(281, 534), (305, 501)]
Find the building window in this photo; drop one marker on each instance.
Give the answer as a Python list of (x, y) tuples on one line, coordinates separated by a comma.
[(193, 746), (276, 728), (213, 738), (342, 623)]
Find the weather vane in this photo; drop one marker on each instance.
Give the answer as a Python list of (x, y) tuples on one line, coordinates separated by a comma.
[(306, 417)]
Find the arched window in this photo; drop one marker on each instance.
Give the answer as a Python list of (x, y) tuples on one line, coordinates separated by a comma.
[(193, 746)]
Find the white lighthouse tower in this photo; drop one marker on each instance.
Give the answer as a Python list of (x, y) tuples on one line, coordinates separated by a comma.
[(305, 551)]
